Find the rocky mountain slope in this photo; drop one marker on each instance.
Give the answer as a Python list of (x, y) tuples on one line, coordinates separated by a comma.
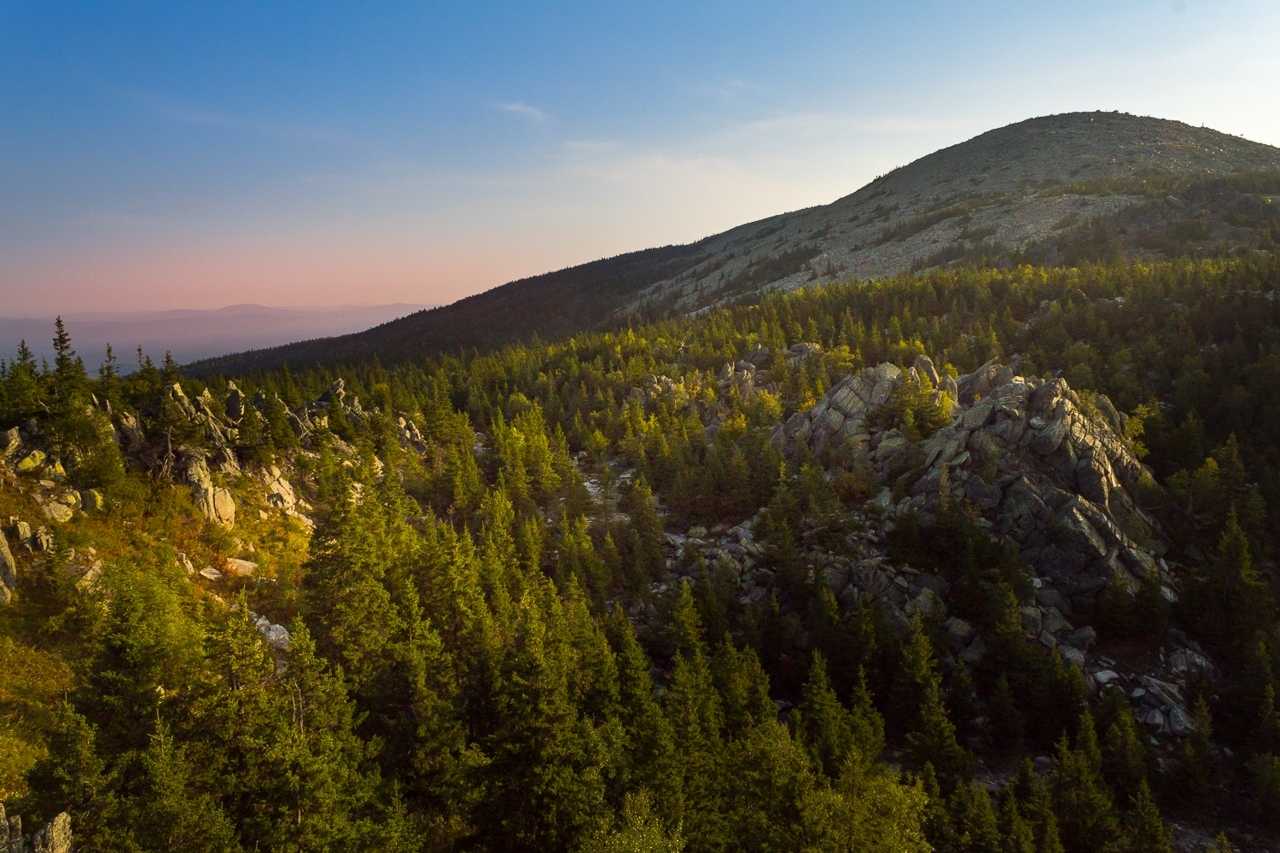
[(1056, 189)]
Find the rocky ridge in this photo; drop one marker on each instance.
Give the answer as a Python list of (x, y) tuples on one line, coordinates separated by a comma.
[(1043, 468), (189, 443)]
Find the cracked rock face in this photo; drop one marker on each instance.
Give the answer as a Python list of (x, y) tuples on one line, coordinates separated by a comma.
[(214, 501), (1047, 469)]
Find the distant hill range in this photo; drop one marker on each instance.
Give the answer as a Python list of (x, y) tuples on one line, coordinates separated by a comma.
[(1060, 189), (192, 334)]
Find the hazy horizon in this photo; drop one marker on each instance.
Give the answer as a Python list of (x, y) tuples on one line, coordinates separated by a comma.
[(191, 334), (192, 158)]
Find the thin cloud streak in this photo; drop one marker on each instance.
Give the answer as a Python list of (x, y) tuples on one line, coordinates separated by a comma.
[(182, 112), (519, 108)]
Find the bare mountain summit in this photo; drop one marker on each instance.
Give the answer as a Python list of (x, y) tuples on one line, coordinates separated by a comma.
[(1059, 189)]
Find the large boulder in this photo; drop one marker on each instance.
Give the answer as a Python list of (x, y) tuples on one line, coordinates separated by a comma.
[(214, 501)]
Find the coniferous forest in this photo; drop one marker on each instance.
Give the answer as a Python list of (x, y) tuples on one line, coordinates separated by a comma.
[(612, 593)]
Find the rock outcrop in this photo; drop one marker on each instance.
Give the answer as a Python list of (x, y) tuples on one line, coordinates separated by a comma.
[(54, 837), (1046, 468), (216, 502), (8, 571)]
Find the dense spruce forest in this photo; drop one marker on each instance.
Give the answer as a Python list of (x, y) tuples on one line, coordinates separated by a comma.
[(639, 590)]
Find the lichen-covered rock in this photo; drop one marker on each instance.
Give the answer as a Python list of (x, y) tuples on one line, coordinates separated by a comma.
[(214, 501), (31, 461), (58, 512), (1049, 471)]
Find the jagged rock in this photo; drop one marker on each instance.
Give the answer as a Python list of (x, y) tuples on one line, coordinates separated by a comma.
[(1183, 661), (277, 636), (133, 439), (335, 395), (10, 443), (234, 404), (54, 838), (31, 461), (280, 491), (214, 501), (843, 413), (8, 572), (923, 366), (802, 351), (42, 540), (1049, 472), (88, 575)]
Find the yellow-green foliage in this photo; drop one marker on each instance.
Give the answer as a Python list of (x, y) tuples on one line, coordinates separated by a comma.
[(31, 681)]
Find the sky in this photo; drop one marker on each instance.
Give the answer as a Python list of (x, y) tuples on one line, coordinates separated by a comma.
[(194, 155)]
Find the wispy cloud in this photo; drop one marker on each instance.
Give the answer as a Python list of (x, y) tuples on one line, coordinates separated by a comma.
[(198, 115), (725, 88), (528, 111)]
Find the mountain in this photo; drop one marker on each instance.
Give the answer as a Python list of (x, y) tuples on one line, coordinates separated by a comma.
[(192, 334), (1057, 189)]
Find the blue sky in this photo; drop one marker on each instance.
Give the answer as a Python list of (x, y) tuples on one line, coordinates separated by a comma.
[(195, 155)]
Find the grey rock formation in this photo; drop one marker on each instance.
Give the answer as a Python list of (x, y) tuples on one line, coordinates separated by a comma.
[(8, 572), (55, 837), (1044, 466), (216, 502), (234, 404), (842, 417), (10, 443)]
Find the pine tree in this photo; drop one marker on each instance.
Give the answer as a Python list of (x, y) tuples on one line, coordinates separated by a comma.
[(974, 819), (931, 737), (1146, 832), (171, 813), (1018, 836), (825, 727), (543, 785), (1124, 761)]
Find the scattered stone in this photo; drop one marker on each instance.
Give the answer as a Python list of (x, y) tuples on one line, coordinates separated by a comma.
[(209, 573), (240, 568), (57, 512)]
